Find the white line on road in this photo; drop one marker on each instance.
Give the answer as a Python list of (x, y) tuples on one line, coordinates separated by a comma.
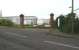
[(61, 44), (11, 33)]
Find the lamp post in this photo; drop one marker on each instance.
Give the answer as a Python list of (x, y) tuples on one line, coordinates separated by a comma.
[(73, 15), (72, 12)]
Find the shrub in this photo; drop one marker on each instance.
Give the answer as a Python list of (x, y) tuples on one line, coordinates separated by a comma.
[(6, 22)]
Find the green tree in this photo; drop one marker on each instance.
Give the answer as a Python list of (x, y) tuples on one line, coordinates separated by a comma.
[(61, 22), (68, 22), (76, 24)]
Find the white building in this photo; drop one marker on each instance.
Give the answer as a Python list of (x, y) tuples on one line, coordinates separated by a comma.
[(27, 19), (0, 13), (43, 21)]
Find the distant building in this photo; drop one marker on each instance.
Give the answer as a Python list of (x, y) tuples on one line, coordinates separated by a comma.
[(28, 20), (0, 13), (43, 21)]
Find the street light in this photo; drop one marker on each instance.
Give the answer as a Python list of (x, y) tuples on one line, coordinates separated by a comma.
[(72, 16), (72, 12)]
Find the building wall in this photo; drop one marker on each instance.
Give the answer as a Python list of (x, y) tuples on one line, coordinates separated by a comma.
[(0, 13), (30, 20), (43, 21)]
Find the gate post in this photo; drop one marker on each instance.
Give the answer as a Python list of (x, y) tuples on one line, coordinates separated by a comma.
[(52, 20), (22, 20)]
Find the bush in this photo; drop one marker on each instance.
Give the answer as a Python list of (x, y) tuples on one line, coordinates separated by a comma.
[(5, 22)]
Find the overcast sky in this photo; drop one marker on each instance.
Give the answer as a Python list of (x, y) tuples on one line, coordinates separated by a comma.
[(39, 8)]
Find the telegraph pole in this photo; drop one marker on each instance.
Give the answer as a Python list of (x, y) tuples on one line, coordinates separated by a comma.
[(72, 16)]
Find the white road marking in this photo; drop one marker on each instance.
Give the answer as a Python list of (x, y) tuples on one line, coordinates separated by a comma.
[(61, 44), (11, 33)]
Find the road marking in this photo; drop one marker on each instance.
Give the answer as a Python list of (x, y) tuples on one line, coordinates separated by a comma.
[(61, 44), (11, 33)]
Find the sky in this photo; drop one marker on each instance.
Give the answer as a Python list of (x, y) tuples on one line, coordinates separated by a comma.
[(38, 8)]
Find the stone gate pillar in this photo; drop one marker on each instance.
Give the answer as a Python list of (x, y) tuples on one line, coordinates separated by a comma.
[(52, 20), (22, 20)]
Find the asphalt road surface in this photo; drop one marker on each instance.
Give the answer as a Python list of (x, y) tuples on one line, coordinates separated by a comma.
[(34, 39)]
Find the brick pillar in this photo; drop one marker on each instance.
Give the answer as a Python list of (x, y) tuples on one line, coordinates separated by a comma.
[(22, 20), (52, 20)]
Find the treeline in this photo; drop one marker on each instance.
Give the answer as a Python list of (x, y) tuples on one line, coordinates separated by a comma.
[(6, 22)]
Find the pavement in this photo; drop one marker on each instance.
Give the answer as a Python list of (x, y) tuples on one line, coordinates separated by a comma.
[(61, 34), (34, 39)]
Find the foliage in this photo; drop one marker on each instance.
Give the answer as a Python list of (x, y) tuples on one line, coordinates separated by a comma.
[(61, 22), (5, 22), (66, 23), (76, 25)]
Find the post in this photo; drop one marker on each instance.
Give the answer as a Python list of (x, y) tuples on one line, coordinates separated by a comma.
[(22, 20), (52, 20)]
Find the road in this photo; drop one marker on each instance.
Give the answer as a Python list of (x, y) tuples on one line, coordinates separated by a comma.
[(34, 39)]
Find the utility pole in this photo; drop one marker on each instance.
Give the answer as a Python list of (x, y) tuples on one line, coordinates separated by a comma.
[(72, 16)]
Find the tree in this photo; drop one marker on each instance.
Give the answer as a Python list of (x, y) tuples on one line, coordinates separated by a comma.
[(68, 22), (76, 24), (61, 22)]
